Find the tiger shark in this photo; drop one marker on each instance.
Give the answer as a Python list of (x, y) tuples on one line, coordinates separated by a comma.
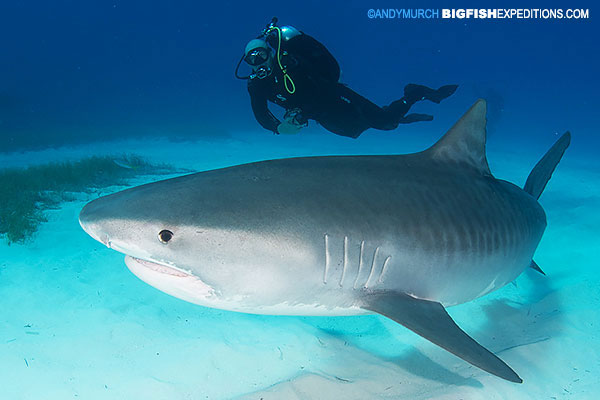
[(404, 236)]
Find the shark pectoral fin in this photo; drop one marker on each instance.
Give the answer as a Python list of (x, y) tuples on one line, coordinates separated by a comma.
[(543, 170), (430, 320)]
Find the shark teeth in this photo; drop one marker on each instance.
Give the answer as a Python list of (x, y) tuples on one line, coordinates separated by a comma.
[(161, 268)]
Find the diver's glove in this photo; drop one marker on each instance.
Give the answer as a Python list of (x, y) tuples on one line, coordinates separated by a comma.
[(293, 121), (285, 128)]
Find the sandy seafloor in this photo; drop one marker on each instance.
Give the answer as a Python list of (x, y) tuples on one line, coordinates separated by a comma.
[(75, 323)]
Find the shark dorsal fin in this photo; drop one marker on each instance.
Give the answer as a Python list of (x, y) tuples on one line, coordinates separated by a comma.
[(464, 143)]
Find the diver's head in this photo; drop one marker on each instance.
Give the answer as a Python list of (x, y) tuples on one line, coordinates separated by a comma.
[(258, 56)]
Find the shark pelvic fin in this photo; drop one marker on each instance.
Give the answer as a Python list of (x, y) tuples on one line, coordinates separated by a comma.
[(430, 320), (464, 143), (536, 267)]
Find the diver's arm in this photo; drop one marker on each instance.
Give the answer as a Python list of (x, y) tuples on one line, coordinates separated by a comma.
[(263, 115)]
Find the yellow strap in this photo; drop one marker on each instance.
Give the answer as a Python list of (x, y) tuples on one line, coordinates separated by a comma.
[(287, 79)]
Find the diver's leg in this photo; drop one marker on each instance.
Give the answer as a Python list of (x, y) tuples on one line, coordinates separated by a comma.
[(339, 114), (342, 128), (414, 93), (372, 116), (346, 113)]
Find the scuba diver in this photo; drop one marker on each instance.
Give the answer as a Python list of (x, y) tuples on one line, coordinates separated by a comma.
[(298, 73)]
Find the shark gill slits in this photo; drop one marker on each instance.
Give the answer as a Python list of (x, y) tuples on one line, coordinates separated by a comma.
[(165, 236)]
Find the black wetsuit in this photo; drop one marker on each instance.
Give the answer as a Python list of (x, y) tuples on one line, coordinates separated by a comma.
[(320, 96)]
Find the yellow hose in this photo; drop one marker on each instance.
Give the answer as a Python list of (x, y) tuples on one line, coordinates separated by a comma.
[(287, 79)]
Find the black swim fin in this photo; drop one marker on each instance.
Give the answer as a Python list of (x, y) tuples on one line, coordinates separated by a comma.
[(414, 93), (430, 320), (442, 93), (414, 117)]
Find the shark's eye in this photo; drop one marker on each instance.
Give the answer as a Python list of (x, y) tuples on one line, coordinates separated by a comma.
[(165, 235)]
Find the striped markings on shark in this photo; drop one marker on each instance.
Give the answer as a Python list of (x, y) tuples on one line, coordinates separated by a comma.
[(459, 233)]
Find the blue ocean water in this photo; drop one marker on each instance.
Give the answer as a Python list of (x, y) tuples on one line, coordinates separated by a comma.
[(80, 78), (79, 71)]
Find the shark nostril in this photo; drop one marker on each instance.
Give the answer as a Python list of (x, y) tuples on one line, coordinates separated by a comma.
[(105, 240)]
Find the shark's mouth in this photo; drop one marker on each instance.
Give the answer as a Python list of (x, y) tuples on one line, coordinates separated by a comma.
[(172, 280), (156, 267)]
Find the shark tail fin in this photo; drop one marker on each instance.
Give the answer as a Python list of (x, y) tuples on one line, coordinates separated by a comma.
[(541, 173)]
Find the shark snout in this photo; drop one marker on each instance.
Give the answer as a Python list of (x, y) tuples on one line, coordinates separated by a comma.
[(100, 219), (90, 219)]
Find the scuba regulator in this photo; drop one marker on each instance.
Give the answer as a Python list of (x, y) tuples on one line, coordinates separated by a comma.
[(264, 71)]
